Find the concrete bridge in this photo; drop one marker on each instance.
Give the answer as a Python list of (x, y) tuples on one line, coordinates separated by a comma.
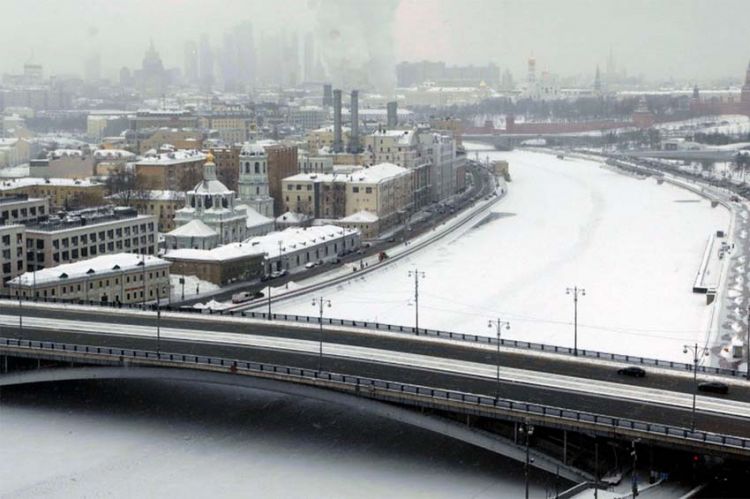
[(468, 387)]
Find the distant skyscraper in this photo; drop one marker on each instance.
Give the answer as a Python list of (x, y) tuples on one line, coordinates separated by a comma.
[(246, 56), (205, 63), (229, 63), (309, 58), (151, 78), (191, 61), (597, 81)]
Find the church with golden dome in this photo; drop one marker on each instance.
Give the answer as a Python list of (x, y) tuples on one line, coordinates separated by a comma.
[(213, 216)]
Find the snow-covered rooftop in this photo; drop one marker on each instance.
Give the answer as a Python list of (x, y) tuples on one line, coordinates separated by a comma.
[(93, 267), (175, 157), (363, 216), (194, 228), (31, 181)]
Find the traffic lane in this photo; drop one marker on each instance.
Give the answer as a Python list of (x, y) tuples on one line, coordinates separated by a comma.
[(399, 342), (626, 409)]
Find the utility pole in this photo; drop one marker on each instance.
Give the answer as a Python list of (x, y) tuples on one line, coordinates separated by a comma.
[(417, 275), (143, 262), (527, 430), (747, 345), (321, 302), (697, 353), (575, 291), (634, 483), (499, 325), (596, 469)]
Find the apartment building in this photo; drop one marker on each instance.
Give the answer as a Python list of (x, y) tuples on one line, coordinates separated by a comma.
[(176, 171), (117, 278), (20, 209), (160, 204), (384, 190), (88, 233), (13, 248), (62, 193)]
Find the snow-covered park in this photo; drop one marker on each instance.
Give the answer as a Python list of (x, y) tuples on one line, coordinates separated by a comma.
[(634, 246)]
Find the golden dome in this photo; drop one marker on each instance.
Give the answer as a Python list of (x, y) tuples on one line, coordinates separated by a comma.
[(210, 157)]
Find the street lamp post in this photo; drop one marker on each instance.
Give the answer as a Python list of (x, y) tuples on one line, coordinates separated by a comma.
[(417, 275), (321, 302), (528, 431), (697, 353), (575, 291), (158, 322), (499, 325), (747, 346), (634, 481)]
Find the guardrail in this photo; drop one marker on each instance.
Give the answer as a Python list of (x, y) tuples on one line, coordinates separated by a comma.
[(435, 333), (391, 390)]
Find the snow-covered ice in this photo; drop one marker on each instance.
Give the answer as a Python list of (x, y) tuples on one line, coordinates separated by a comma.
[(635, 247), (164, 439)]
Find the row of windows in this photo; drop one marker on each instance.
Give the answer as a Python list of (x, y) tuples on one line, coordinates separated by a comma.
[(13, 214)]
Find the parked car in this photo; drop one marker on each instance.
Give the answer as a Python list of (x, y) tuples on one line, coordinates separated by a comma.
[(278, 273), (635, 371), (714, 387), (310, 265), (246, 296)]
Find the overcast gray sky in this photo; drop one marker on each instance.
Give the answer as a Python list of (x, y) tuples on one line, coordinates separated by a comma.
[(687, 39)]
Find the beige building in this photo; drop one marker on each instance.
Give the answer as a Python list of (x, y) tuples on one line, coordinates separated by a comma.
[(174, 171), (89, 233), (384, 190), (14, 152), (118, 278), (13, 247), (160, 204), (323, 137), (188, 139), (221, 265), (60, 192), (22, 209)]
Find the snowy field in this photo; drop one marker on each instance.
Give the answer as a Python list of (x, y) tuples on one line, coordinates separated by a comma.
[(160, 439), (635, 247)]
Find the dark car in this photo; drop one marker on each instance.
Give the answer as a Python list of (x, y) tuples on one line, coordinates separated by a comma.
[(634, 371), (714, 387)]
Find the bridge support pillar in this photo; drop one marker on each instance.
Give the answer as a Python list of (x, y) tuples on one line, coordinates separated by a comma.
[(5, 364), (565, 447)]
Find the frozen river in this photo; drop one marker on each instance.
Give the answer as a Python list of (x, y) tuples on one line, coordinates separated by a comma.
[(160, 439), (634, 246)]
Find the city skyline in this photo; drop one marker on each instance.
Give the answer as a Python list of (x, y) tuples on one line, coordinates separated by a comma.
[(379, 36)]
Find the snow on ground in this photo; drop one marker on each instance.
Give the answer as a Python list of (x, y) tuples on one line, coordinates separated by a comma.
[(635, 247), (193, 286), (164, 439)]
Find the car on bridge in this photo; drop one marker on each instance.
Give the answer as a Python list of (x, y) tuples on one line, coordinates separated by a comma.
[(714, 387), (634, 371)]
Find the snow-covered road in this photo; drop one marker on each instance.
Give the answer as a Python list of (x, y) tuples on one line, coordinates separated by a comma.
[(635, 247)]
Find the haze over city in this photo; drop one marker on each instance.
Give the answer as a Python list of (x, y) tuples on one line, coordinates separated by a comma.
[(386, 248), (694, 40)]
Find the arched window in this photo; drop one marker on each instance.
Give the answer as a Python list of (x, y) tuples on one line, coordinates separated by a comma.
[(224, 202), (257, 167), (208, 202)]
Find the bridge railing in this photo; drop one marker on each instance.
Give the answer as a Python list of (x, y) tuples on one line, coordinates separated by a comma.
[(436, 333), (391, 390)]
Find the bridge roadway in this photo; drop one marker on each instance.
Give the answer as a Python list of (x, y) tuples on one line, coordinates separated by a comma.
[(662, 397)]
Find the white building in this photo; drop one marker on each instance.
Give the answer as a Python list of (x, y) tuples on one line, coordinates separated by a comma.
[(253, 179), (215, 206)]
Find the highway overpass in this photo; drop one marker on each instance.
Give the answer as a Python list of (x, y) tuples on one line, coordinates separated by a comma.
[(456, 375)]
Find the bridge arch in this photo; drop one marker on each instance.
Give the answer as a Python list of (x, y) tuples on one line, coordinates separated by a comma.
[(436, 424)]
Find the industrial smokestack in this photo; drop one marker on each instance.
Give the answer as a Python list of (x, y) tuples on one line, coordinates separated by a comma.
[(338, 144), (392, 114), (354, 113), (327, 95)]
